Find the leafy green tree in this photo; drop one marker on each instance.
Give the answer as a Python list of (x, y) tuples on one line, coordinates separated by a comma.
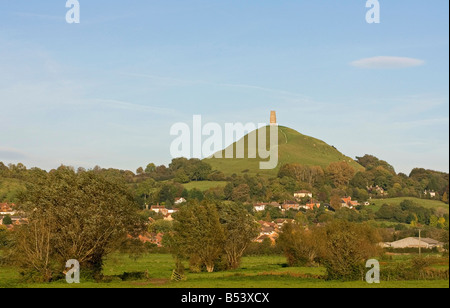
[(150, 168), (161, 226), (4, 237), (79, 216), (347, 246), (196, 194), (371, 162), (147, 192), (198, 234), (7, 220), (299, 246), (340, 173), (140, 171), (239, 228), (445, 198), (241, 193)]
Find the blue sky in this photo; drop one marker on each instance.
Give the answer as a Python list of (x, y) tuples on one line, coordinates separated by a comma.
[(106, 91)]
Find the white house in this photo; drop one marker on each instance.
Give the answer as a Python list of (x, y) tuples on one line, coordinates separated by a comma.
[(432, 193), (259, 207), (180, 200), (303, 194)]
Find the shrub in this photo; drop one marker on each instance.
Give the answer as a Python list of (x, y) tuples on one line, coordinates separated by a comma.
[(347, 246)]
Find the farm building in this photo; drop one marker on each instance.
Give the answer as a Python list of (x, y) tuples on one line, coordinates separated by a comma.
[(414, 242)]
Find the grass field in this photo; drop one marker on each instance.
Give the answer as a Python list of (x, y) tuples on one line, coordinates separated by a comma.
[(377, 203), (204, 185), (255, 272)]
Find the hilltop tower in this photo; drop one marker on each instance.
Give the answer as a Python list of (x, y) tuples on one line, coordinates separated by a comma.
[(273, 118)]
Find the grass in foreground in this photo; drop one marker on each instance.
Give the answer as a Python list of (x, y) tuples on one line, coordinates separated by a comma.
[(255, 272)]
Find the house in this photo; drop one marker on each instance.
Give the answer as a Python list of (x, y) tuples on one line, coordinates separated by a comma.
[(159, 209), (17, 220), (171, 211), (7, 209), (377, 190), (259, 207), (275, 204), (348, 203), (268, 230), (304, 207), (281, 222), (415, 242), (430, 192), (168, 217), (267, 224), (302, 194), (153, 238), (313, 204), (179, 201), (290, 205)]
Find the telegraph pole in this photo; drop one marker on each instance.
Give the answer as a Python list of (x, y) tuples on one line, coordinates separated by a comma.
[(420, 243)]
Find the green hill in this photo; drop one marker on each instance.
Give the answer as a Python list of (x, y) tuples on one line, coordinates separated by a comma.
[(293, 147)]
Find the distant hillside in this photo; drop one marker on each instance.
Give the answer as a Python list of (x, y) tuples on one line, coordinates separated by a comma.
[(426, 203), (293, 147)]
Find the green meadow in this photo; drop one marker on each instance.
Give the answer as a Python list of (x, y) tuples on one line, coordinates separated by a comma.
[(376, 204), (204, 185), (255, 272)]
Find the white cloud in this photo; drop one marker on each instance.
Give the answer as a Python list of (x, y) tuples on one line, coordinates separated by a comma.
[(387, 63)]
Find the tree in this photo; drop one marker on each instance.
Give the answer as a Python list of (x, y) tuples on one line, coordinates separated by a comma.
[(4, 237), (34, 250), (161, 226), (301, 173), (140, 171), (347, 246), (445, 198), (150, 168), (198, 234), (370, 162), (299, 246), (340, 173), (78, 216), (241, 193), (7, 220), (240, 229), (336, 202)]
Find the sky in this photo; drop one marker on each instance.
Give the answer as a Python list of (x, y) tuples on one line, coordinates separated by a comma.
[(106, 91)]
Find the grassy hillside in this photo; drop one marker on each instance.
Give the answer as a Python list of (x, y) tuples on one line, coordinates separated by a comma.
[(435, 204), (204, 185), (293, 147)]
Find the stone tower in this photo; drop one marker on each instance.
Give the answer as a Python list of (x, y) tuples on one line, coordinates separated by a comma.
[(273, 118)]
